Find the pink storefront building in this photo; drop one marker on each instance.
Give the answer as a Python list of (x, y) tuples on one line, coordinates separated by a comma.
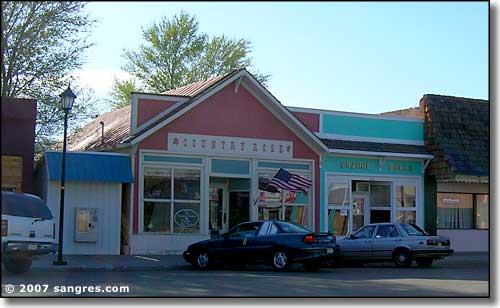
[(198, 154)]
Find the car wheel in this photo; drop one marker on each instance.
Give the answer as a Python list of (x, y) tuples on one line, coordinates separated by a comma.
[(17, 266), (281, 261), (425, 262), (202, 260), (402, 258)]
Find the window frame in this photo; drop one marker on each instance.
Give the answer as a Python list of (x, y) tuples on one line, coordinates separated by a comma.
[(474, 209), (172, 200)]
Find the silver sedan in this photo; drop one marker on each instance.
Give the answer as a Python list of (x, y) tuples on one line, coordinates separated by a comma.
[(399, 242)]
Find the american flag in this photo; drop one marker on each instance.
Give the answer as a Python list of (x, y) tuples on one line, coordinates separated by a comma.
[(289, 181)]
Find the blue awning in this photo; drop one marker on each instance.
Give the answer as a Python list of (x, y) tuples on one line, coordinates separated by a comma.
[(90, 167)]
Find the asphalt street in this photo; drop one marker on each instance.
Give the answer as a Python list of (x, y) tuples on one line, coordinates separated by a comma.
[(469, 279)]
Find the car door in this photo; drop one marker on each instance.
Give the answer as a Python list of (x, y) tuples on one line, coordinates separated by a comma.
[(235, 245), (259, 247), (358, 245), (387, 238)]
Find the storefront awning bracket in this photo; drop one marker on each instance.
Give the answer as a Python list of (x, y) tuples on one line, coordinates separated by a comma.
[(427, 161), (381, 162)]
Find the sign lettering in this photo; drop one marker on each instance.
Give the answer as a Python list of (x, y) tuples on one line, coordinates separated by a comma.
[(204, 144)]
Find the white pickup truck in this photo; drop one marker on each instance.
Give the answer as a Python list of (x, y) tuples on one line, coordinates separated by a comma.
[(28, 229)]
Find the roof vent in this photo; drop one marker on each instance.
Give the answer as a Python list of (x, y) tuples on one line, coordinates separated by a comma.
[(102, 131)]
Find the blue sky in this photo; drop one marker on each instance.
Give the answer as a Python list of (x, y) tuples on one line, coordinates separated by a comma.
[(350, 56)]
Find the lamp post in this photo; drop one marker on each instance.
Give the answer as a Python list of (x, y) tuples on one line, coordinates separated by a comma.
[(67, 100)]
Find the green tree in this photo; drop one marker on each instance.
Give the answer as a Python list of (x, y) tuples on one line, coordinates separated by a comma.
[(176, 54), (121, 92), (42, 44)]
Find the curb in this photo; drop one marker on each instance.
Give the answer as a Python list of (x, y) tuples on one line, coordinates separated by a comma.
[(104, 269)]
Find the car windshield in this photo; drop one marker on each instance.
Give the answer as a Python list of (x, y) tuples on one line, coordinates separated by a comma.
[(24, 205), (290, 227), (413, 229)]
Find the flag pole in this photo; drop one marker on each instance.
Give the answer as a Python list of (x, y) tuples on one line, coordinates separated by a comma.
[(282, 204)]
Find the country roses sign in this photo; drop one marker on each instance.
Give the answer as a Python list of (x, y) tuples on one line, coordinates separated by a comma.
[(205, 144)]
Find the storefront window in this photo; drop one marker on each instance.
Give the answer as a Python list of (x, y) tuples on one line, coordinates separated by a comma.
[(186, 184), (296, 214), (380, 195), (297, 204), (186, 217), (378, 216), (409, 217), (338, 221), (482, 211), (405, 195), (156, 216), (338, 194), (157, 183), (454, 211), (161, 213)]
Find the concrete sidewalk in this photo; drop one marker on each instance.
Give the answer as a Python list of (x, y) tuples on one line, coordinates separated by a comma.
[(121, 263), (105, 263)]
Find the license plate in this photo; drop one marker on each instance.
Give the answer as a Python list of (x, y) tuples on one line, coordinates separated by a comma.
[(329, 250), (32, 247), (439, 244)]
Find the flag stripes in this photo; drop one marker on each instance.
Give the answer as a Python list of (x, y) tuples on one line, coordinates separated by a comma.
[(291, 182)]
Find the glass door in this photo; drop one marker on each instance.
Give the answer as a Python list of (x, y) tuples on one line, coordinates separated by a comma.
[(218, 209), (360, 205)]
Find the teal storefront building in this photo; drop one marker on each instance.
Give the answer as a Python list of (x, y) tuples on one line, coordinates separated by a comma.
[(373, 170)]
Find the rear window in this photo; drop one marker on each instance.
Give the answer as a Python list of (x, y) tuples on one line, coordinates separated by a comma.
[(24, 205), (413, 229), (289, 227)]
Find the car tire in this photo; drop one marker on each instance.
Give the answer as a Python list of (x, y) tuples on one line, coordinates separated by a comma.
[(17, 266), (424, 262), (402, 258), (281, 260), (202, 260)]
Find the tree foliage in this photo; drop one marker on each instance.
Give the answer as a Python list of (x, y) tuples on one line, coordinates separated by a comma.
[(176, 53), (121, 92), (42, 43)]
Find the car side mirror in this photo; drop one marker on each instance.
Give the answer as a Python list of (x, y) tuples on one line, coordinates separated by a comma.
[(352, 236), (224, 235)]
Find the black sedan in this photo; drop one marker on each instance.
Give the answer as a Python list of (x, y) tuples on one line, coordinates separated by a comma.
[(277, 243)]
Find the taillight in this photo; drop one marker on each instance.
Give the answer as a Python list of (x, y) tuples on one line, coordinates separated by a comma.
[(4, 227), (310, 239), (334, 239), (54, 231)]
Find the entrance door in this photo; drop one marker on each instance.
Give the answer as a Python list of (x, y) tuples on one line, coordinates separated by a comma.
[(239, 207), (218, 209), (360, 207)]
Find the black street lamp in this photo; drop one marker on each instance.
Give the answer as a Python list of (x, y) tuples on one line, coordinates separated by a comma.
[(67, 100)]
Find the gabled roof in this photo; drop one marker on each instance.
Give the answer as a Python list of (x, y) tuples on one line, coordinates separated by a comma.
[(89, 137), (116, 129), (457, 132), (197, 87), (90, 167)]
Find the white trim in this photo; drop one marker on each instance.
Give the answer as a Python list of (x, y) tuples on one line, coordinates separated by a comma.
[(369, 139), (135, 108), (356, 114), (230, 175), (320, 128), (90, 153), (388, 154)]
